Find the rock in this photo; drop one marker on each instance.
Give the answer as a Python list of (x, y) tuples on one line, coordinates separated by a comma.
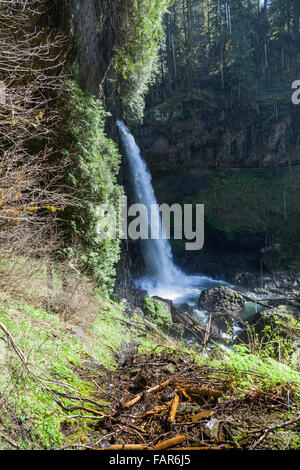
[(139, 296), (165, 303), (295, 358), (224, 304), (137, 312), (212, 428), (185, 308), (79, 333), (126, 353), (92, 365), (160, 311), (222, 321), (140, 381), (221, 299), (3, 353), (177, 330), (284, 318)]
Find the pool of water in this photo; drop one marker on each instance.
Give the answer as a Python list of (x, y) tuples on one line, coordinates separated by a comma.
[(187, 290)]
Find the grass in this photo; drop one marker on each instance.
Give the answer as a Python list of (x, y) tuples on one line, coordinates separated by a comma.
[(62, 351), (29, 414)]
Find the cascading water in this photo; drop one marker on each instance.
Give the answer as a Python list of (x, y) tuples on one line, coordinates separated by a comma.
[(162, 276), (156, 252)]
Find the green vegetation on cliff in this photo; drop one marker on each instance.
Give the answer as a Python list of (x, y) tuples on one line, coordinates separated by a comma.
[(157, 313), (258, 212), (94, 167), (135, 57)]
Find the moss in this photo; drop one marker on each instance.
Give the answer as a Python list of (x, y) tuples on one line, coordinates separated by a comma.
[(149, 307), (295, 444), (160, 316), (282, 319), (135, 58)]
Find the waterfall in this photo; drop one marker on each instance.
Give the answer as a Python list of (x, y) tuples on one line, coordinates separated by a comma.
[(157, 253), (162, 276)]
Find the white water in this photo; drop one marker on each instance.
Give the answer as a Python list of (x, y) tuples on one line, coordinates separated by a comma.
[(162, 277)]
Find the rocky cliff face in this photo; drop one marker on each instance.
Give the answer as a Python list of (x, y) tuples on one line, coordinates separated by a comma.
[(243, 167), (176, 145), (185, 143), (93, 26)]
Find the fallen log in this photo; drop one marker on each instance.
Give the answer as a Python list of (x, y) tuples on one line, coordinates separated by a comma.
[(260, 302), (156, 411), (125, 447), (195, 392), (201, 333), (173, 442), (201, 415), (174, 407), (203, 448), (136, 399)]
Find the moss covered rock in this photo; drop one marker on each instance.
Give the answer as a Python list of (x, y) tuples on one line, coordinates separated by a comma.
[(282, 323), (221, 299), (284, 318), (159, 311)]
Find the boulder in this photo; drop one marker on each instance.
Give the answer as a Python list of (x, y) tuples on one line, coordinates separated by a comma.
[(221, 299), (160, 312), (185, 308), (284, 318), (221, 321)]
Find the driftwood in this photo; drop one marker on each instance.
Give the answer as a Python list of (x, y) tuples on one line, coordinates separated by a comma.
[(201, 392), (207, 332), (136, 399), (201, 333), (174, 441), (156, 411), (125, 447), (272, 428), (201, 448), (288, 300), (201, 415), (174, 407)]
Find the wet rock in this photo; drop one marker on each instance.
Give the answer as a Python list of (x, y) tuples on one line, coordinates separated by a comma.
[(165, 303), (139, 296), (223, 303), (221, 299), (212, 428), (222, 321), (185, 308)]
